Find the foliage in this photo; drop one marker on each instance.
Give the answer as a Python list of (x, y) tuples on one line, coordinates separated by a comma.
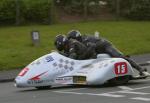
[(132, 9), (7, 11), (140, 10), (78, 6), (37, 11), (43, 11), (30, 11)]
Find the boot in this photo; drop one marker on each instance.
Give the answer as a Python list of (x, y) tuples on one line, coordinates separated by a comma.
[(145, 73)]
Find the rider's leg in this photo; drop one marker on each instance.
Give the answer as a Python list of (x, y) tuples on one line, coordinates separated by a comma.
[(116, 53)]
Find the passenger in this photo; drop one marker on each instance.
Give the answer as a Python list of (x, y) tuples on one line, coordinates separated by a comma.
[(75, 34), (71, 47)]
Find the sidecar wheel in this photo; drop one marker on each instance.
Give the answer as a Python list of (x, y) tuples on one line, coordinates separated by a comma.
[(120, 80)]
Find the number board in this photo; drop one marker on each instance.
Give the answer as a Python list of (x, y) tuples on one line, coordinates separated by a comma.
[(121, 68)]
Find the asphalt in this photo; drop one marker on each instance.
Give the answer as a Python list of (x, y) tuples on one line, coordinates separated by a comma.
[(137, 91), (8, 76)]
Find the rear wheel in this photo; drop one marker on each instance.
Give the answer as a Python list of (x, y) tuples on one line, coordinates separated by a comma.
[(120, 80)]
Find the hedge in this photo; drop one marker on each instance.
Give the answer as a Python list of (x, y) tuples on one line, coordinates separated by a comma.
[(30, 11), (40, 11)]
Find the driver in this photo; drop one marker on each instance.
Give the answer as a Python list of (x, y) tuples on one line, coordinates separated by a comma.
[(71, 47), (102, 45)]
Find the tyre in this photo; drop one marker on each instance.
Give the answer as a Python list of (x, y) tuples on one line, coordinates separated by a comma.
[(120, 80)]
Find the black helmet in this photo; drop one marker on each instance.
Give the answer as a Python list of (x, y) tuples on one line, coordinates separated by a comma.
[(74, 34), (60, 42)]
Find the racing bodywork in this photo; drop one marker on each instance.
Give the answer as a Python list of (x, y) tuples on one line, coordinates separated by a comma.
[(54, 68)]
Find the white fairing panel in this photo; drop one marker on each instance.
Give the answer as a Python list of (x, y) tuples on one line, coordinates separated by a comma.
[(108, 69), (55, 68)]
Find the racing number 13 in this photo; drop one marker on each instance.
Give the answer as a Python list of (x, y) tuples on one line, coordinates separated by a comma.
[(121, 68)]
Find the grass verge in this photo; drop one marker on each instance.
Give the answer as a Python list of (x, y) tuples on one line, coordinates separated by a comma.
[(16, 49)]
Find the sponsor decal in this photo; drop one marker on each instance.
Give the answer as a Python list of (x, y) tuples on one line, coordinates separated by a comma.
[(61, 60), (55, 64), (37, 77), (66, 61), (72, 63), (34, 81), (49, 58), (39, 81), (66, 66), (71, 68), (64, 80), (121, 68), (60, 65), (23, 72)]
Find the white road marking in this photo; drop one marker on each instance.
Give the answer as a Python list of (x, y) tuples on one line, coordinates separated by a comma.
[(111, 95), (130, 92), (141, 98), (148, 61), (108, 94), (125, 88), (141, 88), (93, 94)]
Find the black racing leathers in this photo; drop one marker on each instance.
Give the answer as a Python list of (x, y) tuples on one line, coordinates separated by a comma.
[(104, 46), (77, 50)]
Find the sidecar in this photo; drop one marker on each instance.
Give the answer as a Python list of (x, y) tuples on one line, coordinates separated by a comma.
[(54, 69)]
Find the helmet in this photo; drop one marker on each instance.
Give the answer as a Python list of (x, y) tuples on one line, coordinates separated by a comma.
[(74, 34), (60, 42)]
